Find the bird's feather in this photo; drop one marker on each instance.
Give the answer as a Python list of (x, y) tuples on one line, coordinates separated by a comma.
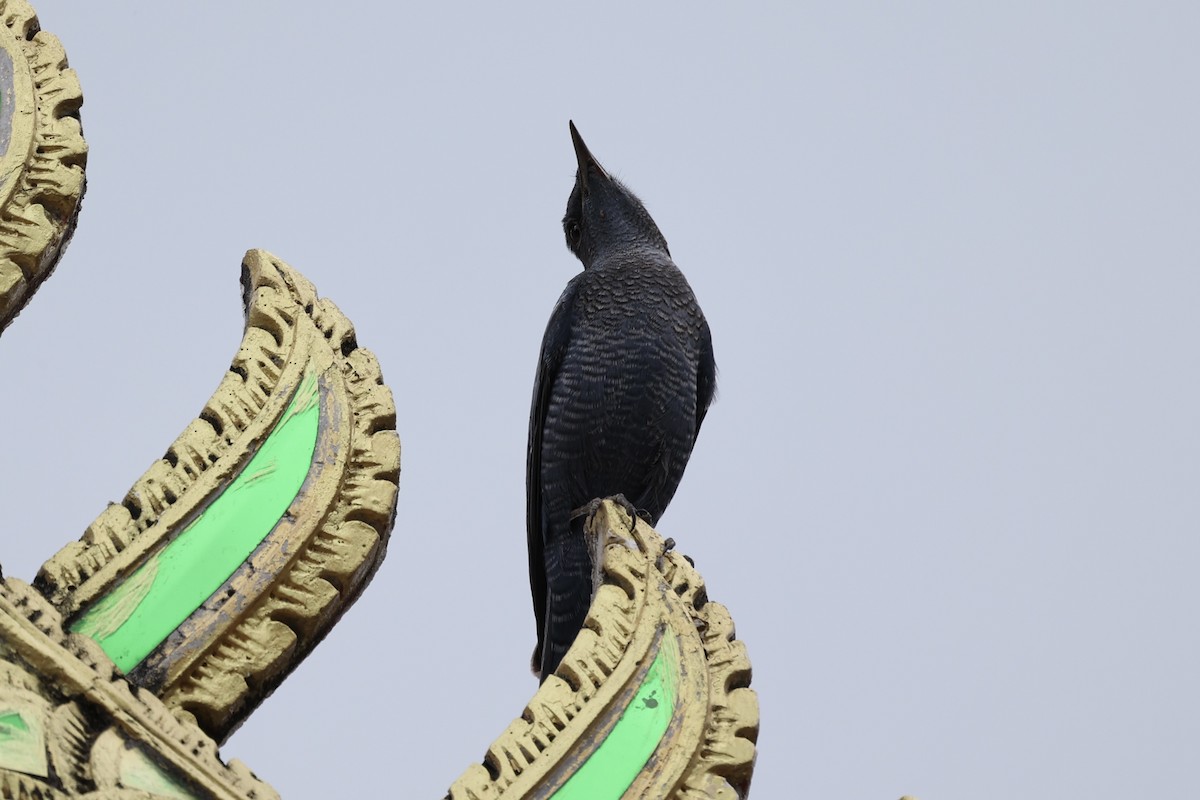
[(554, 344), (706, 376)]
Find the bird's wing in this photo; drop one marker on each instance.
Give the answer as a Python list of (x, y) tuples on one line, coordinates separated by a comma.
[(554, 344), (706, 375)]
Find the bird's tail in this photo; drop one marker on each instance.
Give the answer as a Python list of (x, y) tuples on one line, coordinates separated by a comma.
[(568, 596)]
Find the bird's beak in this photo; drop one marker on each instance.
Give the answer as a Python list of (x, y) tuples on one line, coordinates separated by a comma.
[(584, 157)]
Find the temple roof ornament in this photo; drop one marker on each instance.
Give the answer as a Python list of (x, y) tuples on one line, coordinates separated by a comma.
[(140, 647)]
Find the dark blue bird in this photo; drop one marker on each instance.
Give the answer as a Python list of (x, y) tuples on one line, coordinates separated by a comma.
[(625, 377)]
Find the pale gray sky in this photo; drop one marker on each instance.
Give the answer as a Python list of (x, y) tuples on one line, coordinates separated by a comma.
[(949, 257)]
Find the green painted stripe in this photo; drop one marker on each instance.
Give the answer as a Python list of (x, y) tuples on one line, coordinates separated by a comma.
[(142, 611), (139, 771), (23, 742), (619, 759), (12, 725)]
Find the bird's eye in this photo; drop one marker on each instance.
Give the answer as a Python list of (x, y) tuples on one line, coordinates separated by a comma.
[(573, 232)]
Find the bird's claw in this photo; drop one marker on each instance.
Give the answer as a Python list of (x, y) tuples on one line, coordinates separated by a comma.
[(589, 508), (633, 511), (628, 508)]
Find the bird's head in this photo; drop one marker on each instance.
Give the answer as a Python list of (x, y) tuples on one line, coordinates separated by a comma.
[(602, 215)]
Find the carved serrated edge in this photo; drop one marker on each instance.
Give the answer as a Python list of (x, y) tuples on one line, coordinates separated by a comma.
[(722, 766), (72, 669), (335, 563), (601, 662), (591, 673), (42, 205), (223, 422)]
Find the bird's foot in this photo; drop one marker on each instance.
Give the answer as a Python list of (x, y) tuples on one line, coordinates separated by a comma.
[(598, 540), (668, 546), (628, 508), (634, 513), (589, 508)]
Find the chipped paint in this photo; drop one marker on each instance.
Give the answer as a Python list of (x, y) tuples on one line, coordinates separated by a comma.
[(617, 762), (141, 611)]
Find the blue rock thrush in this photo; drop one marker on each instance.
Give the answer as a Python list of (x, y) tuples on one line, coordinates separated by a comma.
[(625, 377)]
